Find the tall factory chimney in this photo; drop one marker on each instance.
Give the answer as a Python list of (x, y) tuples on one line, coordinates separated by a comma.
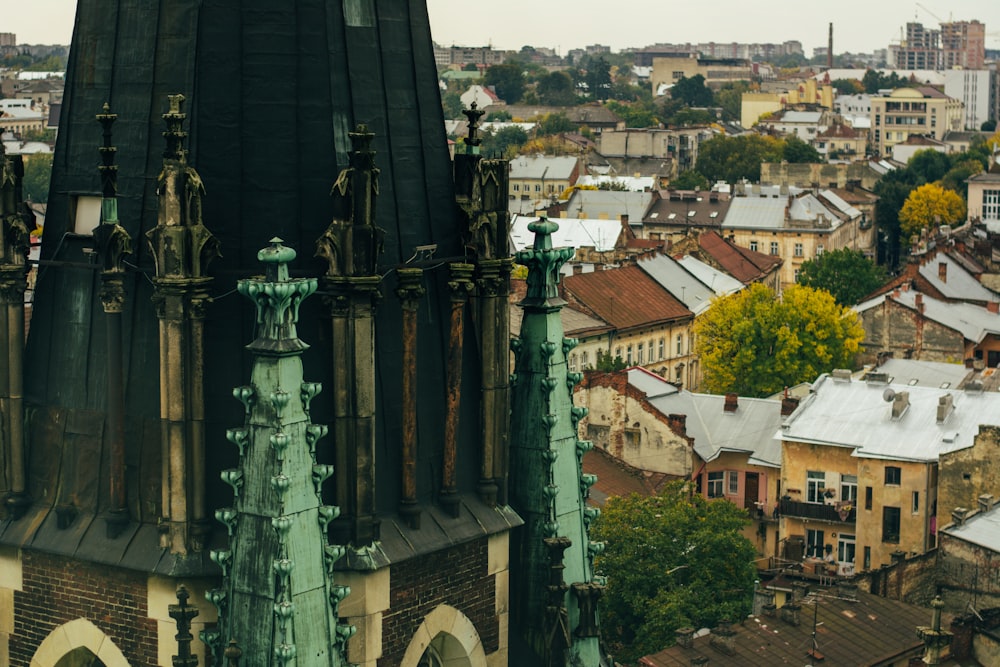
[(829, 49)]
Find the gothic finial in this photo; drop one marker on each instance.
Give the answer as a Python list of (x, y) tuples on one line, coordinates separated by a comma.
[(362, 155), (183, 613), (277, 297), (473, 113), (175, 133), (543, 262), (233, 653), (108, 168)]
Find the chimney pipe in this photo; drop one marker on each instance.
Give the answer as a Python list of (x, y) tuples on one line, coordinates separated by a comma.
[(986, 502), (900, 402), (732, 403), (958, 515), (829, 50), (943, 272), (684, 637), (678, 423), (944, 408), (790, 613), (993, 306), (918, 299), (723, 638)]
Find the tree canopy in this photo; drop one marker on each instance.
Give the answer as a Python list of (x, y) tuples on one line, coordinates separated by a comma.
[(557, 89), (930, 205), (846, 274), (754, 343), (796, 151), (693, 91), (671, 560), (733, 158), (508, 80), (37, 174)]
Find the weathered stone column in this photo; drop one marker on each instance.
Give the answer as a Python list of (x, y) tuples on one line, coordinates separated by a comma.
[(410, 291), (351, 286), (460, 285), (182, 248), (14, 244), (113, 243)]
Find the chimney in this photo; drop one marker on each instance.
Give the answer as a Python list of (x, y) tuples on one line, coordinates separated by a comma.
[(677, 423), (799, 591), (624, 218), (900, 402), (943, 272), (790, 613), (945, 405), (769, 610), (962, 629), (918, 299), (732, 403), (958, 515), (684, 637), (847, 590), (993, 306), (724, 638), (577, 269), (762, 597), (841, 374), (788, 405), (986, 502), (829, 50), (699, 661)]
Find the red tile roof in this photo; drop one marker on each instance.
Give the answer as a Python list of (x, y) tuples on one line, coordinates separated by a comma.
[(625, 297), (616, 478), (741, 263)]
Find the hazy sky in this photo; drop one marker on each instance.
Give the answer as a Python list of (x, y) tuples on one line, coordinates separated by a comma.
[(859, 25)]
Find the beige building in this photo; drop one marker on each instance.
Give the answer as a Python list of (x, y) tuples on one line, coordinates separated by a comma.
[(908, 111), (753, 105), (860, 467), (669, 69), (796, 227), (984, 195)]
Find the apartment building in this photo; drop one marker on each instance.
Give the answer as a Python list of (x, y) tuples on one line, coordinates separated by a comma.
[(907, 111), (859, 471)]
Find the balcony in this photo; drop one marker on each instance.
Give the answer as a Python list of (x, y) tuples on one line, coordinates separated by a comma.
[(831, 513)]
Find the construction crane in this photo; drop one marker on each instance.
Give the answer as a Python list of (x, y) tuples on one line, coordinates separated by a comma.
[(936, 17)]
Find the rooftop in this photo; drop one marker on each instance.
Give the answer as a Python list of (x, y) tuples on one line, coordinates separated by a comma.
[(626, 297)]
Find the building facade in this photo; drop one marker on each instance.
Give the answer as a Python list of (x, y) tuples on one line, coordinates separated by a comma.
[(907, 111)]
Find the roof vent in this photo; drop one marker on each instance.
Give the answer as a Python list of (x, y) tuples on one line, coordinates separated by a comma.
[(958, 515), (974, 387), (986, 502), (877, 378), (841, 374), (945, 406), (900, 402)]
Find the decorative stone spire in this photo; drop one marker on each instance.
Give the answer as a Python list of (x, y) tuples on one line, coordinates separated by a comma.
[(14, 246), (182, 248), (935, 639), (547, 486), (183, 614), (278, 599), (113, 243), (472, 142)]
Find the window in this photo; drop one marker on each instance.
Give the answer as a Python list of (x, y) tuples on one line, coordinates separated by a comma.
[(916, 502), (583, 361), (845, 548), (849, 488), (662, 346), (892, 475), (819, 250), (890, 524), (798, 250), (715, 484), (991, 204), (680, 343), (868, 558), (774, 247), (618, 353), (517, 187), (733, 478), (814, 543), (538, 187), (572, 363), (628, 353), (815, 484), (677, 74), (640, 354), (868, 497), (550, 188), (753, 246)]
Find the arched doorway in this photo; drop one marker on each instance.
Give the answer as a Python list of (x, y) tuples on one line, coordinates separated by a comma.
[(80, 657), (446, 638), (78, 643)]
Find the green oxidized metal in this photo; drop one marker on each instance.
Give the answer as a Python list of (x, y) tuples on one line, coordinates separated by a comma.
[(556, 620), (278, 600)]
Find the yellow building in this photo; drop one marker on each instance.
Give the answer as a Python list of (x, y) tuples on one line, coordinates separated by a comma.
[(755, 104), (796, 228), (906, 111), (859, 469), (669, 69)]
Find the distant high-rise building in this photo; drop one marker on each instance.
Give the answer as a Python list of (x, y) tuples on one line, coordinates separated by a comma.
[(963, 44), (8, 39)]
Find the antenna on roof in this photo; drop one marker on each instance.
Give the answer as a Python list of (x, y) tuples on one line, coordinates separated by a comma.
[(888, 395)]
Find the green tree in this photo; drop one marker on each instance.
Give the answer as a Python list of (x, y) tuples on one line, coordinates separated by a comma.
[(730, 98), (557, 89), (498, 116), (730, 159), (692, 91), (755, 343), (636, 114), (608, 364), (508, 81), (686, 117), (37, 174), (847, 86), (451, 103), (794, 150), (689, 180), (928, 206), (598, 78), (927, 166), (892, 190), (960, 171), (846, 274), (988, 126), (505, 142), (671, 560), (554, 123)]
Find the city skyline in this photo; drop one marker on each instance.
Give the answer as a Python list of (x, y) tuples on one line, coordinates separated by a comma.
[(522, 23)]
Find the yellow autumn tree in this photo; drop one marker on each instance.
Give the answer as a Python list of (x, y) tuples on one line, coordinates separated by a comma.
[(930, 205), (754, 343)]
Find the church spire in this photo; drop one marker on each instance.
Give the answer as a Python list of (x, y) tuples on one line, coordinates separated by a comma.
[(553, 589)]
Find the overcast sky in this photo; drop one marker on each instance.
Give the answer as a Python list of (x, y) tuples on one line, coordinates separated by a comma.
[(859, 25)]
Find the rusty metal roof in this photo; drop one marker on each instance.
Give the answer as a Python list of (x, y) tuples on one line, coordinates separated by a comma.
[(626, 297)]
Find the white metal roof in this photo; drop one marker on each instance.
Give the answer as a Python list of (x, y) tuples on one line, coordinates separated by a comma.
[(857, 415), (973, 322), (572, 233)]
